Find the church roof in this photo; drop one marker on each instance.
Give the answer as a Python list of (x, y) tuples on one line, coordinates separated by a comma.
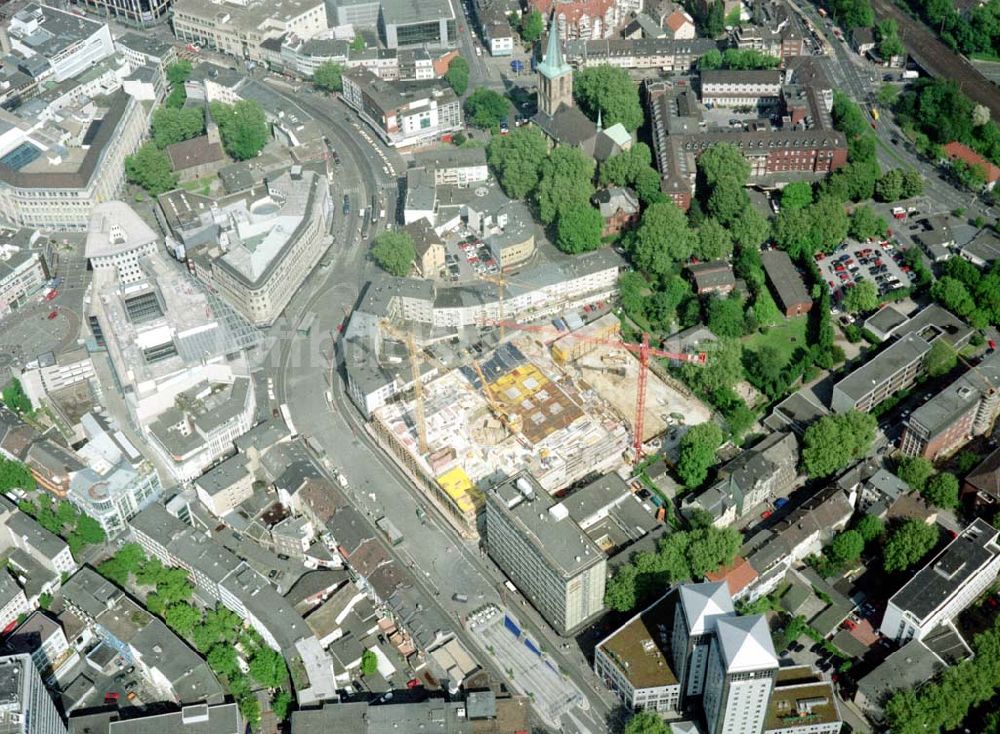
[(745, 644), (703, 604), (553, 64)]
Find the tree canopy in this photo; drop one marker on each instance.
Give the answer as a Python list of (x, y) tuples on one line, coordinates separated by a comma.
[(646, 722), (14, 397), (796, 195), (865, 223), (915, 471), (861, 298), (458, 75), (908, 543), (532, 26), (173, 126), (517, 159), (486, 108), (697, 453), (565, 182), (149, 167), (179, 71), (15, 475), (579, 230), (942, 490), (834, 441), (394, 252), (242, 126), (662, 239), (610, 91), (328, 77), (941, 359)]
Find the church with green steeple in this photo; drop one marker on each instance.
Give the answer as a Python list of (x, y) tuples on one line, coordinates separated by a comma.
[(558, 116)]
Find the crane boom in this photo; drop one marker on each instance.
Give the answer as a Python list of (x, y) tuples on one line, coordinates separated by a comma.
[(418, 386)]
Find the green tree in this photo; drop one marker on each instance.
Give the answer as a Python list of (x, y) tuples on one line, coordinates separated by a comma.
[(910, 542), (267, 667), (913, 184), (250, 709), (697, 453), (149, 167), (646, 722), (830, 223), (129, 559), (182, 618), (242, 127), (890, 185), (624, 168), (847, 546), (621, 592), (711, 548), (714, 241), (610, 91), (565, 183), (369, 663), (866, 223), (223, 661), (728, 200), (713, 23), (744, 59), (941, 359), (861, 298), (834, 441), (532, 26), (750, 228), (647, 186), (179, 72), (942, 490), (579, 230), (796, 195), (953, 295), (793, 233), (870, 527), (281, 705), (516, 158), (15, 475), (889, 45), (394, 252), (662, 239), (722, 161), (45, 600), (725, 316), (765, 368), (358, 43), (485, 109), (722, 368), (328, 77), (458, 75), (15, 398), (710, 60), (915, 471), (765, 310)]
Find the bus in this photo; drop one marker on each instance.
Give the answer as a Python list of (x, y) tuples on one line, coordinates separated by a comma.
[(374, 209), (286, 415)]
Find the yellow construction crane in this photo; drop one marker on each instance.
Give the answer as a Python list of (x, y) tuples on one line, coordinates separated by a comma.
[(418, 386)]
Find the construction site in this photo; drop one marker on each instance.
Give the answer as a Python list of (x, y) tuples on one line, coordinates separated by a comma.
[(558, 404)]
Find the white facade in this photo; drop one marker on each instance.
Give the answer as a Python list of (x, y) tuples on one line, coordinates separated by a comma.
[(22, 274), (741, 670), (71, 43), (956, 577), (25, 704)]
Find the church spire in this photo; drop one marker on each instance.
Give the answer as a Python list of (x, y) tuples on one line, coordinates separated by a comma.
[(553, 64)]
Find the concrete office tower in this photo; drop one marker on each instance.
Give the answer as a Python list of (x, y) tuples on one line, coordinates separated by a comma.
[(25, 704), (742, 668), (698, 608)]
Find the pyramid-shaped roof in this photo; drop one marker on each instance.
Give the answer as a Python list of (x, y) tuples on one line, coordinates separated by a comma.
[(745, 644), (703, 604), (553, 64)]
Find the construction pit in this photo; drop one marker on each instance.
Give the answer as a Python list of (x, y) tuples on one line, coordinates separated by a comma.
[(562, 413)]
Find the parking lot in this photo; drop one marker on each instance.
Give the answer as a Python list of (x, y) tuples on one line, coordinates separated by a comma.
[(880, 263), (469, 257)]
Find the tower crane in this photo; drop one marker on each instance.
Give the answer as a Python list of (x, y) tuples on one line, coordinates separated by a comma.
[(418, 386), (643, 352)]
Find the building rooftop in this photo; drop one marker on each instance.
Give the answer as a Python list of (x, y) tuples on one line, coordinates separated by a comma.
[(195, 719), (409, 12), (882, 366), (640, 647), (909, 667), (224, 475), (935, 321), (254, 15), (49, 33), (986, 477), (884, 321), (745, 643), (704, 605), (785, 278), (114, 228), (947, 406), (546, 524), (801, 699), (942, 577), (741, 76), (388, 96)]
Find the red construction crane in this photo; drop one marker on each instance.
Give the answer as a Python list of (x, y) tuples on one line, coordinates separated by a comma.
[(643, 352)]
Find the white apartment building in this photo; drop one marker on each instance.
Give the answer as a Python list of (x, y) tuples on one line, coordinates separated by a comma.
[(13, 602), (70, 43), (403, 113), (731, 88), (223, 487), (454, 166), (945, 586), (22, 274), (742, 668), (50, 186), (268, 246), (25, 704), (699, 608), (545, 554), (240, 28)]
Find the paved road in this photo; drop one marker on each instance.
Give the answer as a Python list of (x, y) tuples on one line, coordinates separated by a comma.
[(443, 563)]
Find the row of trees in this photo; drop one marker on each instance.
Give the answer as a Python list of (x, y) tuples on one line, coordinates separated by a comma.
[(835, 441), (938, 488), (735, 58), (681, 556), (969, 293), (974, 32), (63, 519), (15, 475), (218, 634)]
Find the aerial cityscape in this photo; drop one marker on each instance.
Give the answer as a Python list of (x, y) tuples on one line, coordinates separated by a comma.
[(499, 367)]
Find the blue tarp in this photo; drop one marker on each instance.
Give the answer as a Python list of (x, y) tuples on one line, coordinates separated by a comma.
[(510, 624), (531, 646)]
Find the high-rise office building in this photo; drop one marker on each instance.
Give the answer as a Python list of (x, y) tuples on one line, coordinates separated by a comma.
[(742, 668), (699, 606), (25, 705)]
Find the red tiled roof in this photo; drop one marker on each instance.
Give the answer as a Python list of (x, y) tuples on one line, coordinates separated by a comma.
[(955, 150), (676, 20), (573, 11), (738, 575)]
